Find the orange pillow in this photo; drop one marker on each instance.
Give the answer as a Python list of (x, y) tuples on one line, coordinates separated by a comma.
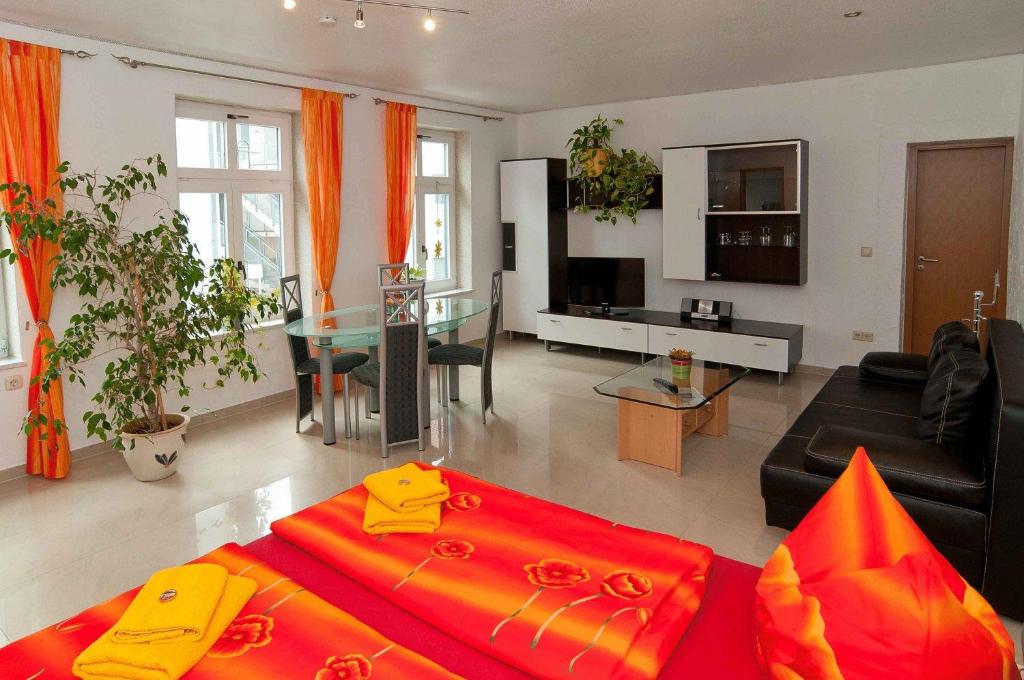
[(857, 591)]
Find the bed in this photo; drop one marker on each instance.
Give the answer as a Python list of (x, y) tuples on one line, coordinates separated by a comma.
[(719, 644)]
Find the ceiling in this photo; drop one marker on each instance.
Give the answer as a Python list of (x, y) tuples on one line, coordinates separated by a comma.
[(529, 55)]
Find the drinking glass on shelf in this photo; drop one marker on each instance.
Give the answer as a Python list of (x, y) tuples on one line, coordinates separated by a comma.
[(744, 238), (725, 238), (766, 236)]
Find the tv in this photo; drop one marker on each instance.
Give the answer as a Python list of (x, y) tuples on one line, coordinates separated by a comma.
[(606, 282)]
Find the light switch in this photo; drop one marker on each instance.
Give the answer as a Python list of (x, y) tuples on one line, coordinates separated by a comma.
[(866, 251)]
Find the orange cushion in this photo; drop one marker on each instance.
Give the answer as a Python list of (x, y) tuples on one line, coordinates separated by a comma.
[(857, 591)]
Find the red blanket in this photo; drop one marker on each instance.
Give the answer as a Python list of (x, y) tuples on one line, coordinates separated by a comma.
[(283, 632), (545, 588)]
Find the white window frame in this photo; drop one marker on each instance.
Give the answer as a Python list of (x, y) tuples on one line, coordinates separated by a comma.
[(7, 304), (435, 185), (233, 182)]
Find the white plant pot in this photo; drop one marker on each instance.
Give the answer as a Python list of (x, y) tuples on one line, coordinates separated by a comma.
[(156, 456)]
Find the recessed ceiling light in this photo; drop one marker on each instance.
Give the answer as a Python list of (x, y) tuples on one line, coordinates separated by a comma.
[(288, 4), (428, 22), (853, 15)]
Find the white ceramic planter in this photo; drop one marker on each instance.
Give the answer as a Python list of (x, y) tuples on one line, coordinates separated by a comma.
[(156, 456)]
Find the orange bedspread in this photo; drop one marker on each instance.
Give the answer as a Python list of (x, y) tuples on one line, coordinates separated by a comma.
[(283, 632), (555, 592)]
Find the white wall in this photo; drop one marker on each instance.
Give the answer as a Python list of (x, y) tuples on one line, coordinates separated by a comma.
[(111, 114), (858, 128), (1015, 289)]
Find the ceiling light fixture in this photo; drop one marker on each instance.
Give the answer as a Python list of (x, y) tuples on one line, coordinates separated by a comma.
[(853, 15), (288, 4), (360, 22), (428, 22)]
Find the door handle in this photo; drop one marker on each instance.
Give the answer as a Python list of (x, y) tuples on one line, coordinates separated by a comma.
[(922, 258)]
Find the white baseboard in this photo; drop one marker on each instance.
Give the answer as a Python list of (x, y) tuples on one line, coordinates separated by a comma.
[(99, 448)]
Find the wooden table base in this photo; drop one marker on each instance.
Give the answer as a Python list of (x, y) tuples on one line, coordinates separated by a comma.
[(653, 434)]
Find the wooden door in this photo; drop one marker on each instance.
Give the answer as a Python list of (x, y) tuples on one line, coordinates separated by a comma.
[(958, 216)]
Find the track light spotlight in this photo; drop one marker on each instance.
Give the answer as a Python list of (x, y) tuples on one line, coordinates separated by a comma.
[(428, 22), (360, 22), (288, 4)]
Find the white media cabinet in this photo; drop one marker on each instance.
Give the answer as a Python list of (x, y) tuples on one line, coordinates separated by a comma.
[(762, 345)]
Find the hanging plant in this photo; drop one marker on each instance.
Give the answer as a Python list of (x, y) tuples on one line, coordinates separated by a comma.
[(615, 184)]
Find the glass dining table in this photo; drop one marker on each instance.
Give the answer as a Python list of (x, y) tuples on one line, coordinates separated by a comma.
[(358, 327)]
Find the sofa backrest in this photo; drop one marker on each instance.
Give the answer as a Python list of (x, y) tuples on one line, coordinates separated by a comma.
[(1004, 467)]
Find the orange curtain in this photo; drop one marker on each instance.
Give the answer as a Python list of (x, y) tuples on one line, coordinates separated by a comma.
[(400, 158), (29, 153), (322, 129)]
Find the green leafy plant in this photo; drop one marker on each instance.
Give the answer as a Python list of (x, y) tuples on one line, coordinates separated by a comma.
[(623, 183), (152, 305), (417, 273)]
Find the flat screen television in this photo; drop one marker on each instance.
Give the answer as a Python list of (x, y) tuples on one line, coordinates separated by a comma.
[(606, 281)]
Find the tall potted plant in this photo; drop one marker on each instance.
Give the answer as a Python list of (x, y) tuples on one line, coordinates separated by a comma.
[(151, 306)]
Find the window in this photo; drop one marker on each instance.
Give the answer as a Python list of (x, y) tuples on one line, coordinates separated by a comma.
[(432, 243), (235, 187)]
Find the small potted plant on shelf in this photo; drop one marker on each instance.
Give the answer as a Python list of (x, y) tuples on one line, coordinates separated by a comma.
[(151, 306), (617, 184), (682, 364)]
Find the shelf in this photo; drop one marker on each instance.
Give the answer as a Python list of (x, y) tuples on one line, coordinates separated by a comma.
[(753, 212)]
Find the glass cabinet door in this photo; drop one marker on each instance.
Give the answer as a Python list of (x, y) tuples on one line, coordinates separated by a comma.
[(762, 178)]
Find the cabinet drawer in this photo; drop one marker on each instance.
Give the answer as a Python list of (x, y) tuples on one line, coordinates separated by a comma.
[(557, 328), (769, 354), (631, 337)]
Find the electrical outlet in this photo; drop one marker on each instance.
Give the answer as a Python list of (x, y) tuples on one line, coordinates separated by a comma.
[(13, 382), (866, 251), (864, 336)]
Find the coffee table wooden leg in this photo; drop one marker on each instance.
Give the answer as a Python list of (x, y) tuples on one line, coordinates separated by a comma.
[(718, 424), (651, 435)]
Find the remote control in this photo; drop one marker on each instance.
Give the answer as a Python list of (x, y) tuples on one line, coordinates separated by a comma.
[(666, 385)]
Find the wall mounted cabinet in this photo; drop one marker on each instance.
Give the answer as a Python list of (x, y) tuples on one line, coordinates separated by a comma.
[(736, 212)]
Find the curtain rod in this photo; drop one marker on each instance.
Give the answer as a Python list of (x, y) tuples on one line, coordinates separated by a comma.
[(135, 63), (81, 54), (378, 101)]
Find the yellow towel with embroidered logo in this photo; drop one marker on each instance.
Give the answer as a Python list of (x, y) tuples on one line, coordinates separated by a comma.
[(163, 658), (196, 590), (380, 519), (407, 488)]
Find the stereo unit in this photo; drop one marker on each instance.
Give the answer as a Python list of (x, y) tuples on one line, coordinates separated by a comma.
[(710, 310)]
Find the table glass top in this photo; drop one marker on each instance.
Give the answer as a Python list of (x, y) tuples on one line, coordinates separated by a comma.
[(359, 326), (704, 382)]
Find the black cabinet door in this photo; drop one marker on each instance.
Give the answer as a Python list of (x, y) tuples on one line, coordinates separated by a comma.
[(508, 246)]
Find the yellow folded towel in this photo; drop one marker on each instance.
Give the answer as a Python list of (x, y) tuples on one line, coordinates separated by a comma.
[(407, 488), (380, 519), (175, 604), (108, 659)]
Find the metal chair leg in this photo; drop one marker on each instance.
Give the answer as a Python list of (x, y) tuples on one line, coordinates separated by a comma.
[(344, 400), (298, 413), (438, 381), (357, 411)]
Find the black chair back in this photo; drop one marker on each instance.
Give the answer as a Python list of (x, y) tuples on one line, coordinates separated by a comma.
[(492, 331), (291, 304), (403, 356)]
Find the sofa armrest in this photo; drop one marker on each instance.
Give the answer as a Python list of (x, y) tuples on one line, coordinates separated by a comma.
[(910, 466), (895, 367)]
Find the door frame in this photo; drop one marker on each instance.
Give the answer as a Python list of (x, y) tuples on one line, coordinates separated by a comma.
[(910, 225)]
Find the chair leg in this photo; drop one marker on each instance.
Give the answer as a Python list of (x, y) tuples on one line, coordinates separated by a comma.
[(438, 381), (444, 386), (312, 401), (356, 411), (344, 400), (298, 412)]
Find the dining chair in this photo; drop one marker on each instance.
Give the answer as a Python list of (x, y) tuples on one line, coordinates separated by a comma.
[(470, 355), (394, 274), (399, 374), (306, 365)]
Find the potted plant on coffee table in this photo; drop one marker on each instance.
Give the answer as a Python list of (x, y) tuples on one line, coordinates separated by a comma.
[(152, 308), (682, 365)]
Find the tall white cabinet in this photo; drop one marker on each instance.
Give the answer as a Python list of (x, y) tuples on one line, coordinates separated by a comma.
[(535, 239), (684, 200)]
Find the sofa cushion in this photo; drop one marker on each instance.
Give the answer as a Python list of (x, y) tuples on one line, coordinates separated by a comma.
[(845, 389), (895, 367), (857, 591), (820, 413), (948, 337), (926, 469), (949, 399), (958, 531)]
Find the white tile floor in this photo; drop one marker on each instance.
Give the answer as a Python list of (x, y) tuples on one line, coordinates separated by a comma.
[(70, 544)]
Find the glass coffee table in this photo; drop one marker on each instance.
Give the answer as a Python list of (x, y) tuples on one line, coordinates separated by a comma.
[(654, 420)]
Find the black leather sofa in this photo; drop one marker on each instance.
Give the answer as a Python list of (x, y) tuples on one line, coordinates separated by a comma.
[(967, 496)]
